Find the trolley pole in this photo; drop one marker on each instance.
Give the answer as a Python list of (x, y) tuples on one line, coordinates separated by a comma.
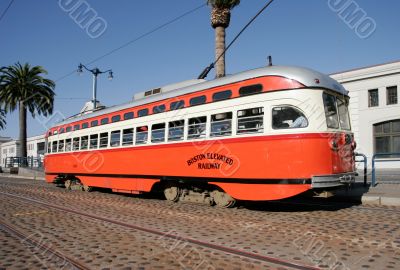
[(95, 73)]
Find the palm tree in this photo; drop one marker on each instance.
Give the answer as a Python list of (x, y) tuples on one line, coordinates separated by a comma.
[(23, 87), (220, 19), (2, 119)]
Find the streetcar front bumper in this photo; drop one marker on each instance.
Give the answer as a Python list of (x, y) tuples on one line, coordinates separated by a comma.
[(333, 180)]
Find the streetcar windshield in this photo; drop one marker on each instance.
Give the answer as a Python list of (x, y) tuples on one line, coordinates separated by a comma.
[(336, 112)]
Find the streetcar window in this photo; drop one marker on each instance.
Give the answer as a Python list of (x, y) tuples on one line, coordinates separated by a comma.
[(62, 130), (177, 105), (250, 120), (69, 129), (343, 113), (159, 108), (61, 146), (158, 133), (54, 148), (115, 118), (75, 144), (197, 100), (175, 130), (331, 113), (115, 138), (141, 135), (143, 112), (94, 123), (250, 89), (227, 94), (221, 124), (48, 147), (85, 125), (68, 145), (94, 141), (197, 127), (104, 121), (288, 117), (103, 140), (127, 136), (77, 127), (84, 142), (128, 115)]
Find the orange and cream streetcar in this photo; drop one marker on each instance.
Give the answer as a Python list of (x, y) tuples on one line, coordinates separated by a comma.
[(263, 134)]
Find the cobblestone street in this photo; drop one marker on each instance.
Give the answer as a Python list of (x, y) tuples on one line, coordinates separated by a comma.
[(46, 227)]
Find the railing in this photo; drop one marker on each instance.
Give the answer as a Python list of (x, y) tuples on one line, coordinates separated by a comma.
[(32, 162), (365, 161), (373, 182)]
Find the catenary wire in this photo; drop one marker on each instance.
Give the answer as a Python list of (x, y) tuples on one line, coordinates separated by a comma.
[(5, 11)]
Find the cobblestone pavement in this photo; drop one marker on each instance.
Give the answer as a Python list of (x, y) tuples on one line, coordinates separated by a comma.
[(310, 233)]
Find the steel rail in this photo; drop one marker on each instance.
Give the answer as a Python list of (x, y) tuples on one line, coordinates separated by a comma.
[(42, 246), (228, 250)]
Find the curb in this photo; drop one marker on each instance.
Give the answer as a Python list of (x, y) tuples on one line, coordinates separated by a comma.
[(23, 177)]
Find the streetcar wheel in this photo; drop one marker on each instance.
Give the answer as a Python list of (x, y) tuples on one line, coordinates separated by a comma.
[(223, 199), (172, 193), (87, 188), (68, 184)]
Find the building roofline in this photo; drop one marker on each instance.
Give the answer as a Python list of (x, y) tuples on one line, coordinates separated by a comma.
[(365, 67)]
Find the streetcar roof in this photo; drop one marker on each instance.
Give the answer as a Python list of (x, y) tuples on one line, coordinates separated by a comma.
[(308, 77)]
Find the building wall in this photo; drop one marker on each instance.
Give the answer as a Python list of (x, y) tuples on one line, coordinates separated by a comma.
[(363, 117)]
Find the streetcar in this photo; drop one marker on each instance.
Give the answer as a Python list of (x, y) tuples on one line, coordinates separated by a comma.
[(264, 134)]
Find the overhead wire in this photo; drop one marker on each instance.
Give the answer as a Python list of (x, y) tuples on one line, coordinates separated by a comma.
[(5, 11)]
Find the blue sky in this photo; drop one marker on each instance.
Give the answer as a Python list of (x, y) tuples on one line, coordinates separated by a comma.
[(302, 33)]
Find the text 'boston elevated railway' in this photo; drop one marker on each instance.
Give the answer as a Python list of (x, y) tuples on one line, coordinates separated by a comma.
[(263, 134)]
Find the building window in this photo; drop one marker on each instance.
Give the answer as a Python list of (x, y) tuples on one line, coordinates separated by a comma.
[(387, 137), (373, 98), (391, 95)]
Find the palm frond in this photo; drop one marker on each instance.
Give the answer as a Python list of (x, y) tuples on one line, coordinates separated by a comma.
[(223, 3)]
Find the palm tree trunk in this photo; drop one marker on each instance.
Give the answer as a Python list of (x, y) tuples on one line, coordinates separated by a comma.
[(22, 131), (219, 49)]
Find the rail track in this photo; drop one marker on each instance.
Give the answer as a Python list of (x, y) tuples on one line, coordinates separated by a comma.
[(63, 260), (204, 244)]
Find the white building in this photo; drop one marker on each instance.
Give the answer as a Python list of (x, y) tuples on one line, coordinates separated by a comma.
[(11, 148), (375, 109)]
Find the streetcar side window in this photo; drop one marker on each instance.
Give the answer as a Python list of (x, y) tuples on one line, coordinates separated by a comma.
[(61, 146), (175, 130), (85, 125), (84, 142), (141, 135), (115, 138), (115, 118), (158, 133), (221, 124), (48, 147), (198, 100), (197, 127), (159, 109), (69, 129), (104, 121), (344, 113), (62, 130), (331, 113), (127, 136), (128, 115), (77, 127), (250, 120), (68, 145), (177, 105), (250, 89), (54, 148), (75, 144), (94, 123), (94, 141), (103, 140), (143, 112), (222, 95), (286, 117)]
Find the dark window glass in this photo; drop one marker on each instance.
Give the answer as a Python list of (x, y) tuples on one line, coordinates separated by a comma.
[(250, 121), (94, 141), (104, 121), (176, 105), (221, 124), (127, 136), (54, 148), (115, 139), (198, 100), (288, 117), (75, 144), (396, 126), (373, 98), (61, 146), (115, 118), (391, 95), (331, 113), (159, 108), (50, 133), (141, 135), (250, 89), (62, 130), (84, 142), (158, 133), (85, 125), (175, 130), (143, 112), (94, 123), (103, 140), (68, 145), (197, 127), (128, 115), (68, 129), (222, 95), (76, 127)]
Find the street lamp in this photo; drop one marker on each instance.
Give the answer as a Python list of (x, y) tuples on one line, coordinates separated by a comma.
[(95, 73)]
